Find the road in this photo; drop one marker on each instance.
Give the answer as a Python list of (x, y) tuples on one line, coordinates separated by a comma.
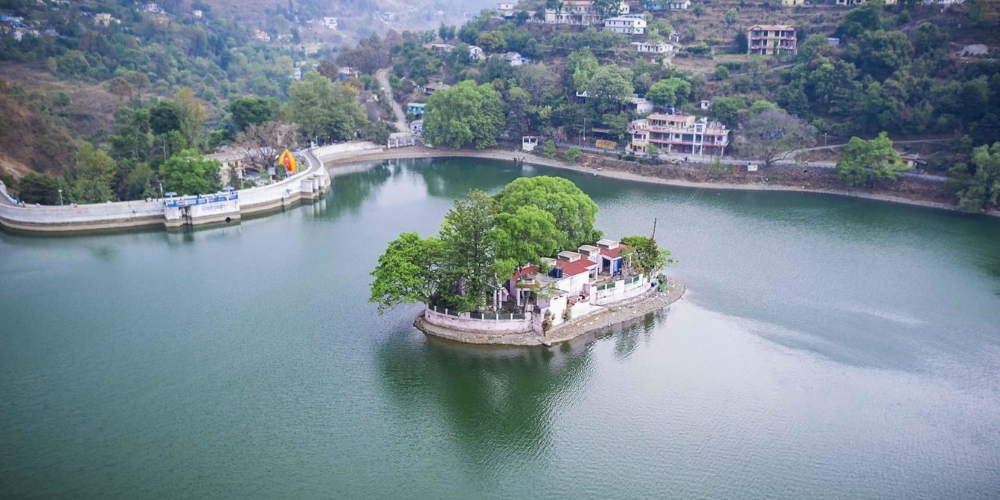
[(383, 79)]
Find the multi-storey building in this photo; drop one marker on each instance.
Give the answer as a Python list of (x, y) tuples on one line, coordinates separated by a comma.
[(633, 24), (771, 39), (679, 133), (579, 12)]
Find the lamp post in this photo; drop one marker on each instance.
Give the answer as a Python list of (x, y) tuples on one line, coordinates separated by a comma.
[(824, 139), (60, 197)]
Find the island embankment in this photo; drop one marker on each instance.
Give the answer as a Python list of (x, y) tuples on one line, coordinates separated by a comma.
[(796, 179), (600, 318)]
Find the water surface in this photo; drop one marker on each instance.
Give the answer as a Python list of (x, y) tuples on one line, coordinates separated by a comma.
[(828, 348)]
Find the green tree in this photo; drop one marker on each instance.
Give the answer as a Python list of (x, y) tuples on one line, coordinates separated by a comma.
[(131, 136), (617, 125), (324, 110), (139, 182), (880, 53), (464, 115), (610, 88), (470, 238), (811, 46), (95, 174), (868, 162), (727, 109), (978, 183), (761, 105), (580, 68), (721, 72), (573, 210), (407, 273), (38, 188), (491, 41), (645, 256), (254, 110), (731, 16), (164, 117), (669, 91), (549, 150), (573, 154), (608, 8), (188, 173), (527, 235)]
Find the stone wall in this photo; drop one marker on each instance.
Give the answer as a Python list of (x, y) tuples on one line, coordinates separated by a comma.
[(464, 322)]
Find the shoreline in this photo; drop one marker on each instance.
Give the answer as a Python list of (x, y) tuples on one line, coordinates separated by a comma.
[(415, 152), (607, 317)]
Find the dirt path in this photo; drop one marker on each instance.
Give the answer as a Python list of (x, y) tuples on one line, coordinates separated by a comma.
[(383, 79)]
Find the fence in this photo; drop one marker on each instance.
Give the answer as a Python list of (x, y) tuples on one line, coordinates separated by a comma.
[(188, 201)]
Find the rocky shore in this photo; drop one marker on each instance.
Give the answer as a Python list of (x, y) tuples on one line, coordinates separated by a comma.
[(605, 317)]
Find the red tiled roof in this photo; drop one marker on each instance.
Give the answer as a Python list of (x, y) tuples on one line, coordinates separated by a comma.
[(613, 253), (526, 271), (576, 267)]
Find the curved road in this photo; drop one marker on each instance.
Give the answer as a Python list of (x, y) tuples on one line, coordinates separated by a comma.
[(383, 79)]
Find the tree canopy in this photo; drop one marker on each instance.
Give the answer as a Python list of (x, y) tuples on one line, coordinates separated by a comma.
[(768, 134), (574, 212), (868, 162), (188, 173), (324, 110), (464, 115)]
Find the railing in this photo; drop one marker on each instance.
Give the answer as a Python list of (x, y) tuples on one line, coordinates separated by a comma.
[(444, 310), (633, 279), (188, 201), (496, 316)]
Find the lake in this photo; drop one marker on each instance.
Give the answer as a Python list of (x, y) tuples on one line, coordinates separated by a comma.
[(828, 347)]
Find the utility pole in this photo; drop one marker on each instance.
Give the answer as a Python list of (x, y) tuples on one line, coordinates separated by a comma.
[(653, 236)]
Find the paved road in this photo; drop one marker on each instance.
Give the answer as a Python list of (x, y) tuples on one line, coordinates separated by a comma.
[(383, 79)]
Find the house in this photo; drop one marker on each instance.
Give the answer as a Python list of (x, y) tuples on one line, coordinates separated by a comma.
[(678, 133), (771, 39), (705, 104), (104, 19), (640, 105), (417, 127), (529, 142), (853, 3), (330, 22), (439, 48), (579, 12), (674, 37), (260, 36), (346, 72), (416, 109), (431, 88), (230, 158), (628, 25), (653, 48), (912, 160), (197, 13), (792, 3), (505, 9), (475, 53), (833, 41), (515, 59), (296, 74), (678, 4), (977, 49)]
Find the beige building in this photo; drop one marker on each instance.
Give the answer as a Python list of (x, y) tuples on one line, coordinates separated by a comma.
[(771, 39), (680, 133)]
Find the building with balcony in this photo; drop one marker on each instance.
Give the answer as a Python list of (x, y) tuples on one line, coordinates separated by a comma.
[(628, 25), (579, 12), (679, 133), (771, 39)]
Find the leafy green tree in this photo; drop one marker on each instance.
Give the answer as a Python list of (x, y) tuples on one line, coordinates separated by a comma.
[(727, 109), (573, 154), (527, 235), (470, 238), (617, 125), (188, 173), (464, 115), (868, 17), (669, 91), (731, 16), (95, 174), (608, 8), (164, 117), (761, 105), (645, 255), (699, 9), (580, 68), (490, 41), (139, 182), (768, 135), (131, 136), (978, 183), (549, 150), (38, 188), (868, 162), (573, 210), (254, 110), (324, 110), (880, 53), (812, 45), (610, 88), (721, 72), (406, 272)]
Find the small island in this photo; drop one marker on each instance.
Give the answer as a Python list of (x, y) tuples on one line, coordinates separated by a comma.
[(523, 267)]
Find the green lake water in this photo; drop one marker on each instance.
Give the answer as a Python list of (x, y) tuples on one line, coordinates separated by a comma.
[(828, 347)]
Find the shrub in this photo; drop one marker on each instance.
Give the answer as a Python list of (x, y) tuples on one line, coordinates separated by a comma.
[(573, 154)]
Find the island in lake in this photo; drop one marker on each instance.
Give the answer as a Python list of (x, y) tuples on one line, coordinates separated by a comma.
[(523, 267)]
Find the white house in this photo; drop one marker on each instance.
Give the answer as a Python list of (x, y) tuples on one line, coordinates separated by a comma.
[(152, 8), (475, 53), (678, 4), (515, 59), (629, 25), (641, 105), (505, 9), (330, 22), (653, 48), (197, 13)]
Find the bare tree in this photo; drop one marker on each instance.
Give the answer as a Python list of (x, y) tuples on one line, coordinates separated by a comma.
[(261, 144), (768, 135)]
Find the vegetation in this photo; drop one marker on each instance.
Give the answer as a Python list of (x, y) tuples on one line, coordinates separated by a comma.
[(978, 182), (769, 134), (868, 162), (464, 115)]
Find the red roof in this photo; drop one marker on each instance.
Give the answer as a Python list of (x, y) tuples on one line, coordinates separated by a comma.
[(525, 271), (613, 253), (576, 267)]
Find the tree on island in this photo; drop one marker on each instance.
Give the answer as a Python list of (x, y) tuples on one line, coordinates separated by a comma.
[(483, 241), (645, 255), (464, 115), (768, 135), (868, 162)]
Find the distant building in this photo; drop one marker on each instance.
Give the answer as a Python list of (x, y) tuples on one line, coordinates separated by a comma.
[(640, 105), (792, 3), (833, 41), (197, 13), (515, 59), (260, 36), (853, 3), (346, 72), (297, 74), (152, 8), (678, 133), (578, 12), (475, 53), (505, 9), (417, 127), (330, 22), (653, 48), (705, 104), (431, 88), (974, 50), (416, 109), (104, 19), (771, 39), (678, 4), (439, 48), (628, 25)]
